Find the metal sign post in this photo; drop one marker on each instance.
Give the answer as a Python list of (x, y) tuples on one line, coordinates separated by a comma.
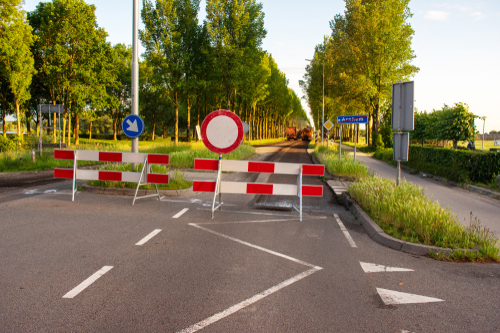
[(49, 108), (402, 120), (357, 119)]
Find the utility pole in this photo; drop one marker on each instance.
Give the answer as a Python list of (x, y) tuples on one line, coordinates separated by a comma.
[(135, 70)]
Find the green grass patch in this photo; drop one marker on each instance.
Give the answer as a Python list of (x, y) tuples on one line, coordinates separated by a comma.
[(406, 213), (176, 182), (347, 166), (264, 142)]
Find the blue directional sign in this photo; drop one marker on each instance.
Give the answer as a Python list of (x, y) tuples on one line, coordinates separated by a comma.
[(133, 126), (352, 119)]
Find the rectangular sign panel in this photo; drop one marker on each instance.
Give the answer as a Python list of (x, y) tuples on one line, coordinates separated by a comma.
[(402, 106), (400, 146), (46, 108), (352, 119)]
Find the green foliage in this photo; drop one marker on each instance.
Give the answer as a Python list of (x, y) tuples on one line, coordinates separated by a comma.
[(347, 166), (8, 144), (386, 127), (405, 212)]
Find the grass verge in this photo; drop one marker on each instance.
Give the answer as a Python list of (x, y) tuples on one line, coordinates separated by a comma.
[(264, 142), (347, 166), (405, 212)]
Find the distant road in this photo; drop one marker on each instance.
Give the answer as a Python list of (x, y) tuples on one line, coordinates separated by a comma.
[(459, 201)]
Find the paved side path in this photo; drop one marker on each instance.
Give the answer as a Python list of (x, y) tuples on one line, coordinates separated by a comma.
[(459, 201)]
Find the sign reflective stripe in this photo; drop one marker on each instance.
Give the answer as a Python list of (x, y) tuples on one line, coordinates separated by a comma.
[(110, 157), (203, 186), (158, 159), (312, 191), (206, 164), (313, 170), (157, 179), (259, 188), (63, 173), (64, 154), (110, 176), (260, 167)]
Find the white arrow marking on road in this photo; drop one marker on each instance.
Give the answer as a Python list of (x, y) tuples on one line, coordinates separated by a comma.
[(391, 297), (132, 126), (374, 268)]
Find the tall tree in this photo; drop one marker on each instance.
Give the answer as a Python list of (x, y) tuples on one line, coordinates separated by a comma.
[(16, 59)]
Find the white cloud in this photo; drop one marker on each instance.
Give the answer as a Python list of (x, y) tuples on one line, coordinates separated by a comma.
[(437, 15), (478, 15)]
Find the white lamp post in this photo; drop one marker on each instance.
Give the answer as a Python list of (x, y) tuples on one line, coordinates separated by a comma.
[(135, 70), (323, 114)]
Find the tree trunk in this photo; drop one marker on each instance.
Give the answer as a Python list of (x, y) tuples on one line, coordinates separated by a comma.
[(77, 129), (90, 130), (18, 120), (115, 125), (176, 127), (164, 131), (188, 118), (4, 134)]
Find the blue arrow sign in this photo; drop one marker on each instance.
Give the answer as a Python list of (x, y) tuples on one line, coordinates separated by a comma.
[(133, 126), (352, 119)]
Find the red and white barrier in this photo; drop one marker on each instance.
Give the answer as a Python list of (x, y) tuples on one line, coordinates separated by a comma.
[(144, 177), (220, 186)]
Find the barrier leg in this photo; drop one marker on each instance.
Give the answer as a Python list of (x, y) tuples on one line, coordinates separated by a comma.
[(75, 165), (217, 189), (140, 178)]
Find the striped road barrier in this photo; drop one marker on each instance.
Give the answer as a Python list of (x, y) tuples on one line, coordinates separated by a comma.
[(141, 178), (219, 187)]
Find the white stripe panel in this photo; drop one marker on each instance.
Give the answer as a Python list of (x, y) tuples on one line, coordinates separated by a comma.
[(236, 166), (87, 155), (132, 177), (87, 174), (133, 157), (287, 168), (233, 187), (283, 189)]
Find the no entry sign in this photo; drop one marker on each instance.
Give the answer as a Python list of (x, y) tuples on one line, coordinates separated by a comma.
[(222, 131)]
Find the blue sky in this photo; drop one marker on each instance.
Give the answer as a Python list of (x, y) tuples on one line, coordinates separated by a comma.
[(456, 43)]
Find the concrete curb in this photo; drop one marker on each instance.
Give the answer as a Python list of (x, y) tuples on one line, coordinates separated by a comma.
[(378, 235), (131, 192)]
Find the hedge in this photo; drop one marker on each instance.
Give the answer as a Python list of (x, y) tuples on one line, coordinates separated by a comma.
[(481, 167)]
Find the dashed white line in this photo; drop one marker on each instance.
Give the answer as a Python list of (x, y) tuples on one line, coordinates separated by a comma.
[(179, 214), (78, 289), (344, 230), (148, 237)]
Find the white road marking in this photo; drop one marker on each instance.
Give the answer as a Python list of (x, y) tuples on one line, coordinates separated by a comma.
[(240, 222), (179, 214), (391, 297), (148, 237), (374, 268), (254, 246), (344, 230), (210, 320), (78, 289), (247, 302)]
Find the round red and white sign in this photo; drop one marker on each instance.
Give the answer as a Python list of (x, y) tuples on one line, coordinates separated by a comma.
[(222, 131)]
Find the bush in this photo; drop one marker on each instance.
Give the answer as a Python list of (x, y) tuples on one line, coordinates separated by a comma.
[(10, 143)]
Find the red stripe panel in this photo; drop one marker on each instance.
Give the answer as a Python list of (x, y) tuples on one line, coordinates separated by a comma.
[(203, 186), (154, 178), (110, 175), (203, 164), (313, 170), (64, 154), (63, 173), (158, 159), (312, 191), (110, 157), (259, 188), (260, 167)]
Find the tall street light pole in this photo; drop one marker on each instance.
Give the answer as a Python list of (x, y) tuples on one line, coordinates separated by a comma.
[(323, 114), (135, 70), (484, 121)]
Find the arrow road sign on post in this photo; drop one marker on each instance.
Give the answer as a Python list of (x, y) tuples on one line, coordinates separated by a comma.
[(133, 126)]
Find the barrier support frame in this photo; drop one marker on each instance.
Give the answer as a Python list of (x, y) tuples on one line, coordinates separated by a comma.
[(217, 189), (75, 166), (146, 166), (299, 194)]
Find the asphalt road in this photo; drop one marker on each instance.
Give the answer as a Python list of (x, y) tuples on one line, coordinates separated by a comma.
[(460, 202), (247, 270)]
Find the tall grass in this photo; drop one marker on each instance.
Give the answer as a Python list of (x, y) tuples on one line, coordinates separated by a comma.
[(264, 141), (405, 212), (347, 166)]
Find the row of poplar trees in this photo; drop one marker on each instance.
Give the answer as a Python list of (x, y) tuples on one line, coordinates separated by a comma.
[(368, 50), (58, 54)]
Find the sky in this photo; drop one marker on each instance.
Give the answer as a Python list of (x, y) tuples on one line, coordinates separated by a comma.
[(456, 43)]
